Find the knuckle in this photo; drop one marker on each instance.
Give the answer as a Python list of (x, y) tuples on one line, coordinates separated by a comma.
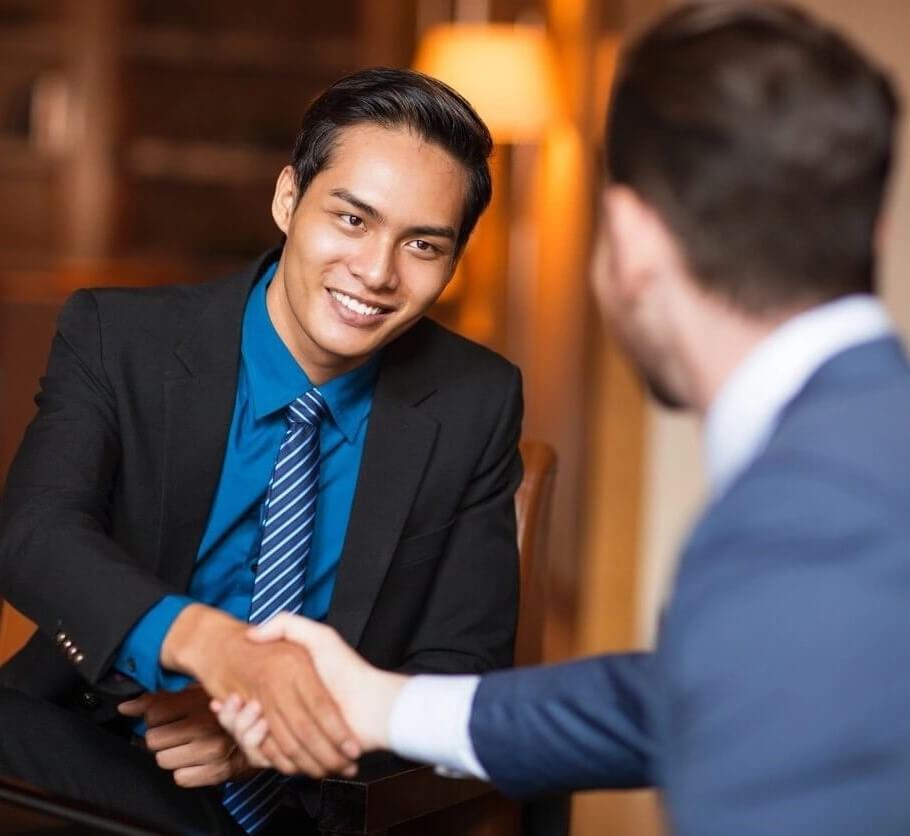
[(338, 762), (218, 748)]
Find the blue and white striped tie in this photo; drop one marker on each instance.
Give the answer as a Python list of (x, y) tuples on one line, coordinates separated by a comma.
[(287, 530)]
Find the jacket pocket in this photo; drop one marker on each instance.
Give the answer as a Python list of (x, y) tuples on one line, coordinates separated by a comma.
[(422, 547)]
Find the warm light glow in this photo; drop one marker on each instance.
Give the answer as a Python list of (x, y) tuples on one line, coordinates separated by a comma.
[(506, 72)]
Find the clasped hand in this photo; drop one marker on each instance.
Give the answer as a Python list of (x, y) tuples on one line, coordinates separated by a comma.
[(186, 739), (364, 694), (307, 732)]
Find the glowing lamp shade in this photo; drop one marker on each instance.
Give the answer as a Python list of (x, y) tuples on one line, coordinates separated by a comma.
[(505, 71)]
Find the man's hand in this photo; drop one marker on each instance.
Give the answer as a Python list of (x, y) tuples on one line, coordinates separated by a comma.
[(307, 732), (186, 738), (365, 694)]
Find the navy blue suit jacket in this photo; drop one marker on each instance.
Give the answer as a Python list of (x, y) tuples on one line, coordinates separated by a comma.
[(777, 699)]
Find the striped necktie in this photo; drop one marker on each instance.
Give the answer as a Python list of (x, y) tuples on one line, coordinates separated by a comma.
[(287, 531)]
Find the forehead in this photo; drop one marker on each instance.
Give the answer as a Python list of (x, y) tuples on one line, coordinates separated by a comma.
[(396, 172)]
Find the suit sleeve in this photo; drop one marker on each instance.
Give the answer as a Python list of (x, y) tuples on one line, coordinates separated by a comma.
[(787, 657), (469, 621), (57, 563), (557, 728)]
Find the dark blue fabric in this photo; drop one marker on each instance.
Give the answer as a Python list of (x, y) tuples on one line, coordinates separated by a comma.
[(269, 379), (776, 699)]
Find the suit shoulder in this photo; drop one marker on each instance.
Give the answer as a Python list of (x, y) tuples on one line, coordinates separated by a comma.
[(854, 437), (163, 308), (436, 342)]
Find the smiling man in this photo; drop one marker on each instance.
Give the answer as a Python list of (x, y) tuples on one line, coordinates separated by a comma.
[(298, 437)]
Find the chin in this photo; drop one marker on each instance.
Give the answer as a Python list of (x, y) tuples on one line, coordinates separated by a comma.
[(664, 395)]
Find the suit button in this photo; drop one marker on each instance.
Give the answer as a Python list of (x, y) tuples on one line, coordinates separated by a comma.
[(78, 658), (90, 700), (60, 637)]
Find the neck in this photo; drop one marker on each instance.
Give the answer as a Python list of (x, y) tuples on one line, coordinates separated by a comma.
[(713, 339)]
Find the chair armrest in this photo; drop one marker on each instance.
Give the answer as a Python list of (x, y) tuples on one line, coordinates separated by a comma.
[(389, 791)]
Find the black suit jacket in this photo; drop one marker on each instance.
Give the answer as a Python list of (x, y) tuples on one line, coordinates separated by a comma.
[(108, 497)]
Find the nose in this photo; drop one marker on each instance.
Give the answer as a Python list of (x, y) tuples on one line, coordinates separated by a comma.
[(374, 265)]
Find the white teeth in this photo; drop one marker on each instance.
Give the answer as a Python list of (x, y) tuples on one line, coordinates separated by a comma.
[(353, 305)]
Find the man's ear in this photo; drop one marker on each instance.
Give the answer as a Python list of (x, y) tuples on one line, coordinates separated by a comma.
[(640, 242), (284, 200)]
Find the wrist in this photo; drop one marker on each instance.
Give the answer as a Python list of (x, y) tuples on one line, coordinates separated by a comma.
[(384, 690), (197, 636)]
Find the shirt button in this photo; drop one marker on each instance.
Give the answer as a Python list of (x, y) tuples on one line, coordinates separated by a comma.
[(90, 700), (131, 665)]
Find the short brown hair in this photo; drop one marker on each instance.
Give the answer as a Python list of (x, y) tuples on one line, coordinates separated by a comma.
[(764, 140)]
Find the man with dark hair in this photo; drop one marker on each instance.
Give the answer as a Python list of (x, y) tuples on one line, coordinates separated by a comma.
[(298, 438), (748, 152)]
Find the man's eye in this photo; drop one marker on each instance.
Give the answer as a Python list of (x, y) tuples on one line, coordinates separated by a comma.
[(352, 220), (423, 246)]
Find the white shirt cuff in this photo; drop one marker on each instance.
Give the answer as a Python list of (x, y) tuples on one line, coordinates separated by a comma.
[(429, 723)]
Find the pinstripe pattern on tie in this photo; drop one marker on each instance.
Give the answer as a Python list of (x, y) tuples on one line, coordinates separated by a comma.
[(287, 530)]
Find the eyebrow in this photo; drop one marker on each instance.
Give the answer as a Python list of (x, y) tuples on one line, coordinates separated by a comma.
[(356, 202), (376, 215)]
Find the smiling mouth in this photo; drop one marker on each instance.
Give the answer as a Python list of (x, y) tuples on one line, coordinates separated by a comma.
[(358, 306)]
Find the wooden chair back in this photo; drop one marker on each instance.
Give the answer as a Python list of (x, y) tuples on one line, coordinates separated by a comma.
[(533, 501)]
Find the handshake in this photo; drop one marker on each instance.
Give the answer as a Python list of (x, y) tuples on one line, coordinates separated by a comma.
[(350, 718), (288, 694)]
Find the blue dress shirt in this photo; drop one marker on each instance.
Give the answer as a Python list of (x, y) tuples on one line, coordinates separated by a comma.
[(268, 380)]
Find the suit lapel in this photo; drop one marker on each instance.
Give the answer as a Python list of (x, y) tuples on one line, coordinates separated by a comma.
[(199, 390), (399, 442)]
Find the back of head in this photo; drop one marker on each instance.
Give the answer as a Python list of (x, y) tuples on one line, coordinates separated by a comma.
[(764, 141), (399, 99)]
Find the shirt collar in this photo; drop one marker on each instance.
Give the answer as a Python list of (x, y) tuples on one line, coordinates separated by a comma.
[(745, 412), (275, 378)]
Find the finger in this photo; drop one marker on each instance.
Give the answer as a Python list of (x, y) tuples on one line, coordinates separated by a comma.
[(227, 714), (251, 738), (302, 742), (135, 707), (254, 755), (296, 628), (333, 725), (310, 719), (302, 738), (203, 776), (328, 717), (304, 765), (168, 708), (271, 630), (201, 752), (183, 731), (251, 741), (246, 717)]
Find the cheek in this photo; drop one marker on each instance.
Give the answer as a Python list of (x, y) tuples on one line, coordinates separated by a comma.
[(424, 282), (312, 245)]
